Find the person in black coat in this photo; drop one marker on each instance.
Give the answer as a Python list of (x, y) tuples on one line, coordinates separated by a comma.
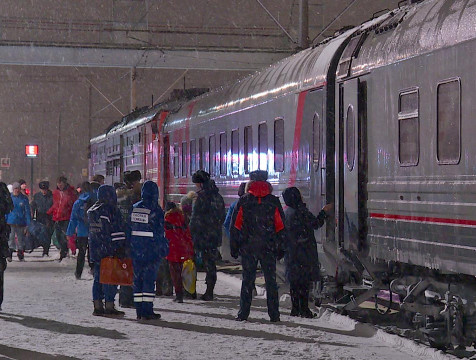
[(257, 234), (6, 206), (42, 202), (302, 262), (206, 222)]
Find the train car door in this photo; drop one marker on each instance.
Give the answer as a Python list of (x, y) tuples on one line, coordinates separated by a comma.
[(313, 115), (165, 173), (351, 172)]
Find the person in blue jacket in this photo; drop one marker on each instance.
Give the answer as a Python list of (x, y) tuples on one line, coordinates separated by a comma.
[(78, 224), (18, 220), (106, 238), (148, 246), (229, 214)]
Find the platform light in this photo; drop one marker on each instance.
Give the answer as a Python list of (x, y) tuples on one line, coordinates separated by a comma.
[(31, 150)]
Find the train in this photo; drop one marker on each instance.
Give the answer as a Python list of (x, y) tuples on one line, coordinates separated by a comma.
[(376, 120)]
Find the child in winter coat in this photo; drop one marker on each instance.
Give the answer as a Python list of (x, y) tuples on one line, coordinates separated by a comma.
[(302, 263), (180, 245)]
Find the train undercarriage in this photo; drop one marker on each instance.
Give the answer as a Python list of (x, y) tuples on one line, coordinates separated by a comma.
[(440, 308)]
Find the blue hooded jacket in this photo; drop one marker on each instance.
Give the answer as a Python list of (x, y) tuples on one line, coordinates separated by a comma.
[(148, 243), (20, 215), (106, 227), (78, 222)]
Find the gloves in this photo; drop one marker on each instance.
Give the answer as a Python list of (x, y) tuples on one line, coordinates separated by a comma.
[(234, 254)]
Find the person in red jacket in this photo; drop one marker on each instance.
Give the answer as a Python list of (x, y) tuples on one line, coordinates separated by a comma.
[(180, 246), (63, 199)]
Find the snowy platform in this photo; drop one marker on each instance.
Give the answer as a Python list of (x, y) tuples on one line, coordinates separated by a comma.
[(47, 315)]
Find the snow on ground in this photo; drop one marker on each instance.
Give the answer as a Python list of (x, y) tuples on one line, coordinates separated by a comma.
[(47, 315)]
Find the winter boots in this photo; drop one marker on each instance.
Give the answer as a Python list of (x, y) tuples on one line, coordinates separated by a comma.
[(98, 308), (179, 298), (295, 303), (110, 310), (208, 296)]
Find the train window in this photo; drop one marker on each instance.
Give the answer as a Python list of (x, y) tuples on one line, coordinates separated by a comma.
[(248, 149), (184, 159), (279, 145), (235, 152), (316, 139), (263, 146), (212, 154), (350, 137), (449, 122), (408, 128), (139, 138), (201, 154), (223, 150), (109, 168), (176, 160), (193, 156), (346, 58)]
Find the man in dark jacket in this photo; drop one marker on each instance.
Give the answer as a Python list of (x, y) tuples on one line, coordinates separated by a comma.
[(42, 202), (6, 205), (257, 234), (126, 197), (106, 238), (208, 214), (148, 246), (302, 262)]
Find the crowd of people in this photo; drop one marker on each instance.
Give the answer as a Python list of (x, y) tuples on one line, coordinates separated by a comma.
[(126, 221)]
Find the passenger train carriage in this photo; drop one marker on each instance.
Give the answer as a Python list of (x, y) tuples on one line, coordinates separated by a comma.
[(377, 120)]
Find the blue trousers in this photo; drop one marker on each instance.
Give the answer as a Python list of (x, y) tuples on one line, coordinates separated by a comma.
[(144, 286), (249, 263), (102, 291)]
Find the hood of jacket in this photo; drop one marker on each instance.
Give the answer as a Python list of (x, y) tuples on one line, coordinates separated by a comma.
[(175, 217), (84, 196), (292, 197), (107, 195), (150, 192), (259, 188)]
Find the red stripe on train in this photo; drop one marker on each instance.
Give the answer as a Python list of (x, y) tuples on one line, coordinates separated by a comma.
[(424, 219), (297, 138)]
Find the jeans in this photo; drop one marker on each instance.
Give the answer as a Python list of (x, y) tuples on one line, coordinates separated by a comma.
[(20, 233), (268, 265), (60, 228), (102, 291), (82, 245)]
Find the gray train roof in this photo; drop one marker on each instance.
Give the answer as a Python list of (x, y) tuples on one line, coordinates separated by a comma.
[(305, 70), (425, 27), (125, 126)]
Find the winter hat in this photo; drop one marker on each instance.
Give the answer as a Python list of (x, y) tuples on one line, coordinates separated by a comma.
[(16, 185), (136, 175), (200, 177), (170, 205), (44, 185), (259, 175), (292, 196)]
